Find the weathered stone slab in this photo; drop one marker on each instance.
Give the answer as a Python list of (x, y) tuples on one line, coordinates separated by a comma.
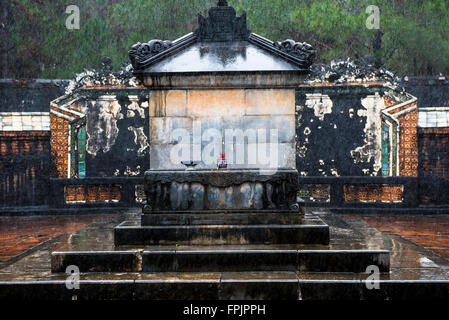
[(161, 157), (348, 261), (220, 218), (57, 290), (270, 102), (223, 235), (342, 260), (162, 130), (176, 290), (221, 189), (219, 260), (232, 286), (262, 289), (216, 103), (96, 261)]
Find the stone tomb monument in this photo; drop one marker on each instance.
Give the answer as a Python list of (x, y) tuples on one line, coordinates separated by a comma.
[(222, 185), (221, 189), (222, 137)]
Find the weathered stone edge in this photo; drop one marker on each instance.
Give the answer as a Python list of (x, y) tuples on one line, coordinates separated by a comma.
[(268, 289)]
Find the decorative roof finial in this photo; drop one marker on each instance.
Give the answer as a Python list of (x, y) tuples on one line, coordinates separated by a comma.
[(222, 3)]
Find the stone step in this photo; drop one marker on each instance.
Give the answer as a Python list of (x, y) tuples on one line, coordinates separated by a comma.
[(220, 218), (129, 234), (229, 288), (350, 261)]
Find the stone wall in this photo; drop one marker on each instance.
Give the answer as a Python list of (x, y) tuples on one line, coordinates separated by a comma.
[(115, 134), (339, 130), (25, 140), (24, 167), (29, 95), (238, 122), (431, 91)]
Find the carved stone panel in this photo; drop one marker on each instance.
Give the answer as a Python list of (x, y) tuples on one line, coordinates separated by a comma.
[(222, 25)]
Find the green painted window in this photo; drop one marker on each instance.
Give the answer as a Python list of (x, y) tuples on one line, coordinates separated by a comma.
[(82, 152), (394, 150), (386, 149), (78, 150)]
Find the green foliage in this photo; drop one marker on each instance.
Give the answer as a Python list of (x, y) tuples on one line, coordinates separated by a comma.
[(414, 32)]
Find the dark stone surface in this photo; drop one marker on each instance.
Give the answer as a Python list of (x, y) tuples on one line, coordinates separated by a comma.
[(71, 211), (408, 290), (303, 51), (222, 80), (219, 218), (222, 25), (102, 261), (221, 178), (231, 288), (353, 261), (267, 289), (330, 289), (160, 261), (430, 91), (125, 154), (57, 290), (231, 234), (182, 290), (280, 188), (342, 261), (430, 190), (140, 52), (329, 141), (35, 290), (25, 164), (105, 290), (29, 95), (219, 260)]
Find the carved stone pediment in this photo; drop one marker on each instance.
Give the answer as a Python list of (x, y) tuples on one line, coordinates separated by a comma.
[(222, 24)]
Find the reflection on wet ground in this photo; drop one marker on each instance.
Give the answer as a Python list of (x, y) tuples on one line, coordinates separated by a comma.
[(431, 232), (418, 246), (19, 234)]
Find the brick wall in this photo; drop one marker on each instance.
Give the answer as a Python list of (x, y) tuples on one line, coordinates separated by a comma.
[(434, 152), (408, 144), (92, 194), (373, 193), (59, 146)]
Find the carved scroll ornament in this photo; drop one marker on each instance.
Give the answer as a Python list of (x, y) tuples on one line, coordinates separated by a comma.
[(301, 50), (141, 52)]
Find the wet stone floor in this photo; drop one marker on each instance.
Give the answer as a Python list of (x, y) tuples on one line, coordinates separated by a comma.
[(20, 234), (418, 245)]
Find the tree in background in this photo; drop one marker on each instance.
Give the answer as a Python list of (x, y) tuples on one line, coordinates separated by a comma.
[(5, 24), (412, 38)]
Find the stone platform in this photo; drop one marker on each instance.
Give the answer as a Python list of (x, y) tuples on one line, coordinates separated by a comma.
[(281, 272), (222, 207), (211, 259), (218, 229)]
